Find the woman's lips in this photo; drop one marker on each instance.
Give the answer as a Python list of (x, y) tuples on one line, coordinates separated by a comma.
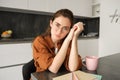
[(57, 36)]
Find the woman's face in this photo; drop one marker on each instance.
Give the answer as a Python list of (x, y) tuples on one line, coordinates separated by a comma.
[(59, 28)]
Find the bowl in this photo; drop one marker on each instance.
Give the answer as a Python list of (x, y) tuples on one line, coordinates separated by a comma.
[(5, 35)]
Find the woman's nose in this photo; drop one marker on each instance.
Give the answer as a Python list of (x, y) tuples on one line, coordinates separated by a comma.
[(59, 31)]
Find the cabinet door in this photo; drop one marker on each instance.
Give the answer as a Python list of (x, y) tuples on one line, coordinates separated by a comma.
[(11, 73), (79, 7), (21, 4), (51, 5), (12, 54), (43, 5), (38, 5)]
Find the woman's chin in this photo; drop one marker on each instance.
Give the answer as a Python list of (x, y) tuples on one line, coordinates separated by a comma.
[(57, 38)]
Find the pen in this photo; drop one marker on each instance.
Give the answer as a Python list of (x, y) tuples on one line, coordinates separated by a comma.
[(74, 76)]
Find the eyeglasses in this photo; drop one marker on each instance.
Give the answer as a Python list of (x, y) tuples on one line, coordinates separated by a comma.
[(63, 29)]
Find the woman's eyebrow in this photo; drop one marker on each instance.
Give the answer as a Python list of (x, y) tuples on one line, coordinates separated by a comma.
[(66, 26), (61, 25), (57, 23)]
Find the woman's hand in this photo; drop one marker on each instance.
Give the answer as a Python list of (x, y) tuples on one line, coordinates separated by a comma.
[(75, 31), (70, 34), (78, 27)]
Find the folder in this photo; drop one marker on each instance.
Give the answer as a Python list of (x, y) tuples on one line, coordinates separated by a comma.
[(78, 75)]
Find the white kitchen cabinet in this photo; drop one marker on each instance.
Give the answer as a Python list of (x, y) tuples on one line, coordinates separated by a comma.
[(11, 54), (38, 5), (79, 7), (51, 5), (43, 5), (88, 47), (20, 4), (12, 58), (11, 73)]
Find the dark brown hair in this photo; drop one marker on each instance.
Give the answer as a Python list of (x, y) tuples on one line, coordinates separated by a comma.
[(62, 12)]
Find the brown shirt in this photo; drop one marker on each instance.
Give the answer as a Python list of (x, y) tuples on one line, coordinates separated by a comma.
[(44, 53)]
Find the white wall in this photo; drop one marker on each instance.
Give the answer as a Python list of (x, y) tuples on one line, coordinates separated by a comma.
[(88, 47), (109, 41)]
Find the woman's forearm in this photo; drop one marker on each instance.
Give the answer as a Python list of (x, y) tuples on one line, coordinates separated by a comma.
[(60, 57), (73, 59)]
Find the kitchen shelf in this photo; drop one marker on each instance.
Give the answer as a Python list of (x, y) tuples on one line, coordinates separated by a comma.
[(96, 8)]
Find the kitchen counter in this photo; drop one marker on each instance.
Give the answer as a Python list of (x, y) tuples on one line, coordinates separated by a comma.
[(27, 40), (12, 41)]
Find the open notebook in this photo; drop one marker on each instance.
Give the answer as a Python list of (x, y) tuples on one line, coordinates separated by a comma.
[(78, 75)]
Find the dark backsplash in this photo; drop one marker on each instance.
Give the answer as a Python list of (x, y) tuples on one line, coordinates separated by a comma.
[(23, 25), (29, 25)]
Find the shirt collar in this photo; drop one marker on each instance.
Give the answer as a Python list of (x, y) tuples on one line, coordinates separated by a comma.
[(50, 42)]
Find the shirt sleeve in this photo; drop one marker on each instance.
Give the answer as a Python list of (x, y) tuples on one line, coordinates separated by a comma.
[(41, 54)]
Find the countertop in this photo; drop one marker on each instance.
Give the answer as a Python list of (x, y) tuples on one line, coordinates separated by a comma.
[(27, 40)]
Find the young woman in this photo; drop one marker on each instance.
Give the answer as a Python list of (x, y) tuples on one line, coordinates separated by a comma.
[(57, 47)]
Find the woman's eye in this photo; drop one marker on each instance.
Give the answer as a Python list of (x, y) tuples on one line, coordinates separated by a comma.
[(57, 25), (65, 28)]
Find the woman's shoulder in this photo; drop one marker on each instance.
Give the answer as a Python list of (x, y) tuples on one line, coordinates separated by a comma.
[(39, 38), (39, 41), (42, 40)]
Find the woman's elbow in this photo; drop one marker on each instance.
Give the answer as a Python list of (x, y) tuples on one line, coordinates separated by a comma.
[(53, 70), (72, 69)]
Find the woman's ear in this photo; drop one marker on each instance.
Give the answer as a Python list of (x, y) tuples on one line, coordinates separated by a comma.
[(51, 23)]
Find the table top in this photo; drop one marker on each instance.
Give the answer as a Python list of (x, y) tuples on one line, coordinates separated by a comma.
[(108, 67), (46, 75)]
